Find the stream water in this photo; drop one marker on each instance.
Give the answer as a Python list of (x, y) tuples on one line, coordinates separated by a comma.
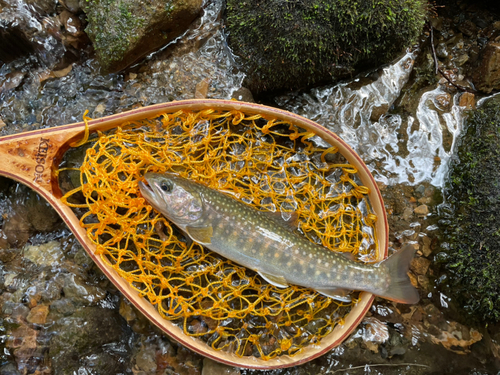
[(404, 133)]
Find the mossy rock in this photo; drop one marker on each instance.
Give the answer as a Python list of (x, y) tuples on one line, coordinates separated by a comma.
[(473, 190), (88, 338), (124, 31), (293, 44)]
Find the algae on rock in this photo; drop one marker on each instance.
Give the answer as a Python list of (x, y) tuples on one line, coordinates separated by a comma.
[(124, 31), (473, 190), (292, 44)]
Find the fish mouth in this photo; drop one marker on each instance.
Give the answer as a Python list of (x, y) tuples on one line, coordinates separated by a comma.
[(146, 191)]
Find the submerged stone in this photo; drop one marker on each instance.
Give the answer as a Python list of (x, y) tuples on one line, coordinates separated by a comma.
[(91, 333), (124, 31), (473, 190), (294, 44)]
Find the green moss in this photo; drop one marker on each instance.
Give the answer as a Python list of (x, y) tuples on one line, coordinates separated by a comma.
[(291, 44), (112, 27), (473, 190)]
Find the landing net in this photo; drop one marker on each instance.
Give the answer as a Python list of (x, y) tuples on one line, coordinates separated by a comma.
[(267, 163)]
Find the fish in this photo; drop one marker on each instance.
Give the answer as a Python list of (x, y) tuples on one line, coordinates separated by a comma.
[(265, 244)]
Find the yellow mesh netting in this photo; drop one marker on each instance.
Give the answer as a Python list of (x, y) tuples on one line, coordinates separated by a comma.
[(268, 163)]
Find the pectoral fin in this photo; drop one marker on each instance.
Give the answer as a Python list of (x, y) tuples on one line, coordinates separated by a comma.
[(202, 235), (336, 293), (278, 281)]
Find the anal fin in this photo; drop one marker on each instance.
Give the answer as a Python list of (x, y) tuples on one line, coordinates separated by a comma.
[(278, 281), (336, 293)]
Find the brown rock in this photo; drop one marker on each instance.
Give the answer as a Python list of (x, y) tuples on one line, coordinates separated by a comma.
[(443, 101), (426, 248), (420, 265), (23, 342), (425, 200), (38, 314), (421, 210), (407, 213), (378, 112), (487, 76), (201, 90), (424, 282), (467, 100), (413, 279), (11, 81)]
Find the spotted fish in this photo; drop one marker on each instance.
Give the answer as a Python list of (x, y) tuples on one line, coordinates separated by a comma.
[(262, 243)]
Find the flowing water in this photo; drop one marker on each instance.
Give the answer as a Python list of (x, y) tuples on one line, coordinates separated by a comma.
[(405, 135)]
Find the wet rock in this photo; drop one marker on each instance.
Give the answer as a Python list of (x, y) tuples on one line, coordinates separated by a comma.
[(11, 81), (17, 229), (244, 95), (317, 41), (145, 359), (29, 213), (9, 369), (15, 310), (373, 332), (45, 255), (38, 314), (135, 319), (62, 307), (443, 101), (72, 5), (16, 283), (379, 111), (487, 75), (22, 341), (215, 368), (123, 32), (25, 28), (77, 290), (426, 247), (84, 334), (6, 253)]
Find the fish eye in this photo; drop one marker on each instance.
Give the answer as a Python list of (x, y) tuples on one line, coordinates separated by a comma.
[(166, 187)]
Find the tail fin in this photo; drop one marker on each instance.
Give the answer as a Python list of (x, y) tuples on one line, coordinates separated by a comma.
[(400, 288)]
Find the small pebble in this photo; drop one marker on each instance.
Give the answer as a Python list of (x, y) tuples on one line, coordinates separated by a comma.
[(421, 210), (38, 314)]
